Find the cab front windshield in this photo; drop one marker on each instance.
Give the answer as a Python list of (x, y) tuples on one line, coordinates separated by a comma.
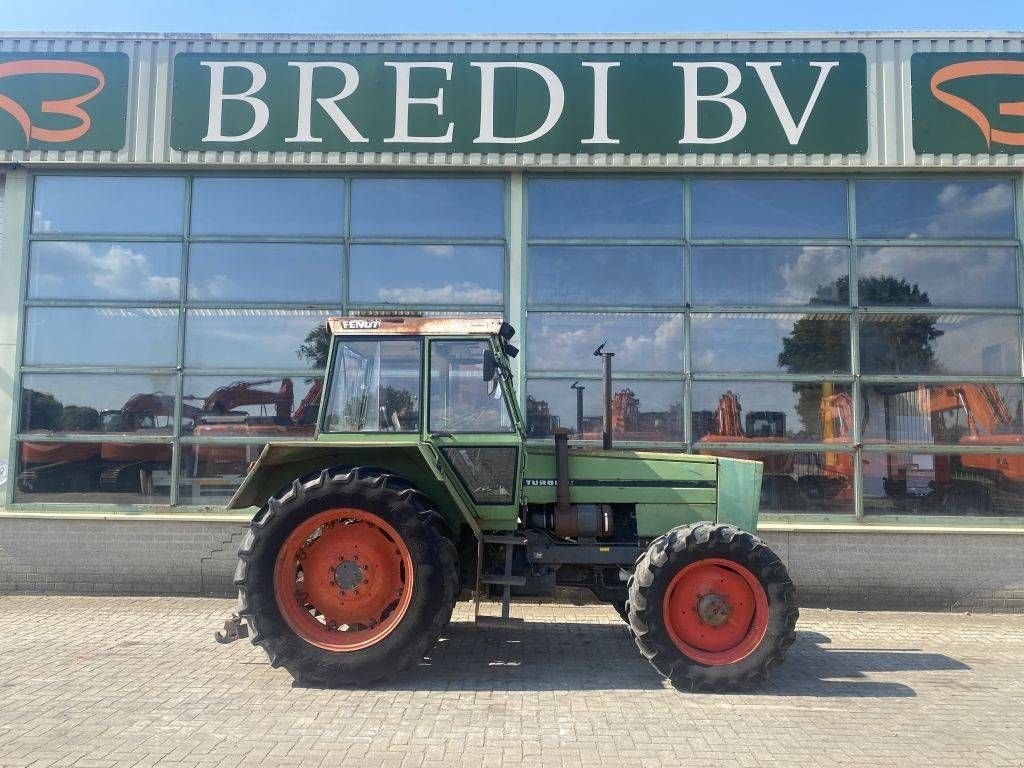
[(461, 400), (375, 386)]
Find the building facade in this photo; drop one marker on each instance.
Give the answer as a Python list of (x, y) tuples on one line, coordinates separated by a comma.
[(804, 250)]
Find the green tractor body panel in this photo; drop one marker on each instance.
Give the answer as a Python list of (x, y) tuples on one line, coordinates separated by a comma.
[(430, 435), (668, 489), (280, 464)]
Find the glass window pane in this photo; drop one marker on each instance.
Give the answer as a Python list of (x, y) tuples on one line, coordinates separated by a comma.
[(565, 341), (625, 275), (122, 205), (938, 275), (460, 399), (940, 344), (606, 208), (210, 474), (97, 404), (268, 206), (118, 271), (935, 208), (93, 473), (769, 343), (768, 208), (281, 272), (428, 208), (375, 386), (934, 484), (648, 411), (808, 481), (424, 275), (218, 406), (487, 472), (942, 414), (260, 339), (772, 412), (124, 336), (773, 274)]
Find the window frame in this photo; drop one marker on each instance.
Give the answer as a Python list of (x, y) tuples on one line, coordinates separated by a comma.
[(852, 311), (179, 441)]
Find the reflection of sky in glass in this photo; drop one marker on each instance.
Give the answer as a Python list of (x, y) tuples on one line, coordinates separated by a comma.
[(641, 342), (768, 208), (605, 208), (951, 276), (101, 336), (282, 272), (753, 275), (97, 391), (969, 344), (656, 398), (123, 205), (774, 396), (268, 206), (249, 338), (751, 343), (935, 208), (609, 275), (88, 270), (428, 208), (427, 274)]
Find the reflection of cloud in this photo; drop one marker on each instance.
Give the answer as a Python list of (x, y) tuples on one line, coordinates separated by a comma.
[(440, 250), (950, 275), (214, 287), (968, 211), (813, 267), (640, 342), (452, 293), (115, 270)]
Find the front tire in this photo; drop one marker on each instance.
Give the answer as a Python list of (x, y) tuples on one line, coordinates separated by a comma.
[(712, 607), (347, 577)]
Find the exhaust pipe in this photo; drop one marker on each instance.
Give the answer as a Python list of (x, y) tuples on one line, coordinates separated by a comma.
[(606, 438)]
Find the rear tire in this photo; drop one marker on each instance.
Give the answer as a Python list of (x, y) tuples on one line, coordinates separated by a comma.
[(670, 617), (393, 517)]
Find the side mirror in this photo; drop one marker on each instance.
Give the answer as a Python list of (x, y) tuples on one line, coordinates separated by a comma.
[(490, 365)]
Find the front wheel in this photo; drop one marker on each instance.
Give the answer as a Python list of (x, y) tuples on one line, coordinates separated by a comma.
[(347, 577), (712, 607)]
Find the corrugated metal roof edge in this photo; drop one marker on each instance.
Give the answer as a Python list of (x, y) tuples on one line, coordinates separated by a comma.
[(521, 36)]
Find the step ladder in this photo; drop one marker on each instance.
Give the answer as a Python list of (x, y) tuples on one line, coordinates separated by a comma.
[(506, 579)]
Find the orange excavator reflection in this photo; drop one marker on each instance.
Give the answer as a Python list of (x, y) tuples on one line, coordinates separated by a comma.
[(60, 467), (925, 414)]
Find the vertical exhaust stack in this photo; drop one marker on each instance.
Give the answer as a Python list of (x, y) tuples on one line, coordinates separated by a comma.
[(607, 356)]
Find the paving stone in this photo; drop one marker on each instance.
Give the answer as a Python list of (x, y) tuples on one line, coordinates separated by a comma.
[(91, 681)]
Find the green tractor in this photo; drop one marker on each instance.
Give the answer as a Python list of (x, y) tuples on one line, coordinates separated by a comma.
[(421, 489)]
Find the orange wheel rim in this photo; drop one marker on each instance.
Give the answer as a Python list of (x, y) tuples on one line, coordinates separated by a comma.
[(716, 611), (343, 579)]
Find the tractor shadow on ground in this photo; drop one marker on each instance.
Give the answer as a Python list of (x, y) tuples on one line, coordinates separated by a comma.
[(559, 656)]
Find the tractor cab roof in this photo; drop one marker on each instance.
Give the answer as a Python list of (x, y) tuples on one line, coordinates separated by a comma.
[(414, 326)]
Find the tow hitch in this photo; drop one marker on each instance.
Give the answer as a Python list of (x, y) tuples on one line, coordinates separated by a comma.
[(234, 629)]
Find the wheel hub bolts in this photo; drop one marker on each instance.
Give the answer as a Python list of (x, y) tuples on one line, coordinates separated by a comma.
[(713, 609)]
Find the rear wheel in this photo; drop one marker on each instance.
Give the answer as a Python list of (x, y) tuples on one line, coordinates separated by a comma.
[(712, 607), (347, 577)]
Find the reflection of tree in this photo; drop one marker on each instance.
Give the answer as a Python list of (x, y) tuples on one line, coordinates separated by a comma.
[(899, 344), (40, 410), (77, 418), (316, 347)]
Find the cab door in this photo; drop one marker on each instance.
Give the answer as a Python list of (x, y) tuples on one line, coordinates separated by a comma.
[(469, 422)]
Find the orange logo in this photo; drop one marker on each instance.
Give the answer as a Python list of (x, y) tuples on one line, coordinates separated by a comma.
[(71, 107), (972, 112)]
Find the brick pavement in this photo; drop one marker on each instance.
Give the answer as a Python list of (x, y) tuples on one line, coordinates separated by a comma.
[(139, 682)]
